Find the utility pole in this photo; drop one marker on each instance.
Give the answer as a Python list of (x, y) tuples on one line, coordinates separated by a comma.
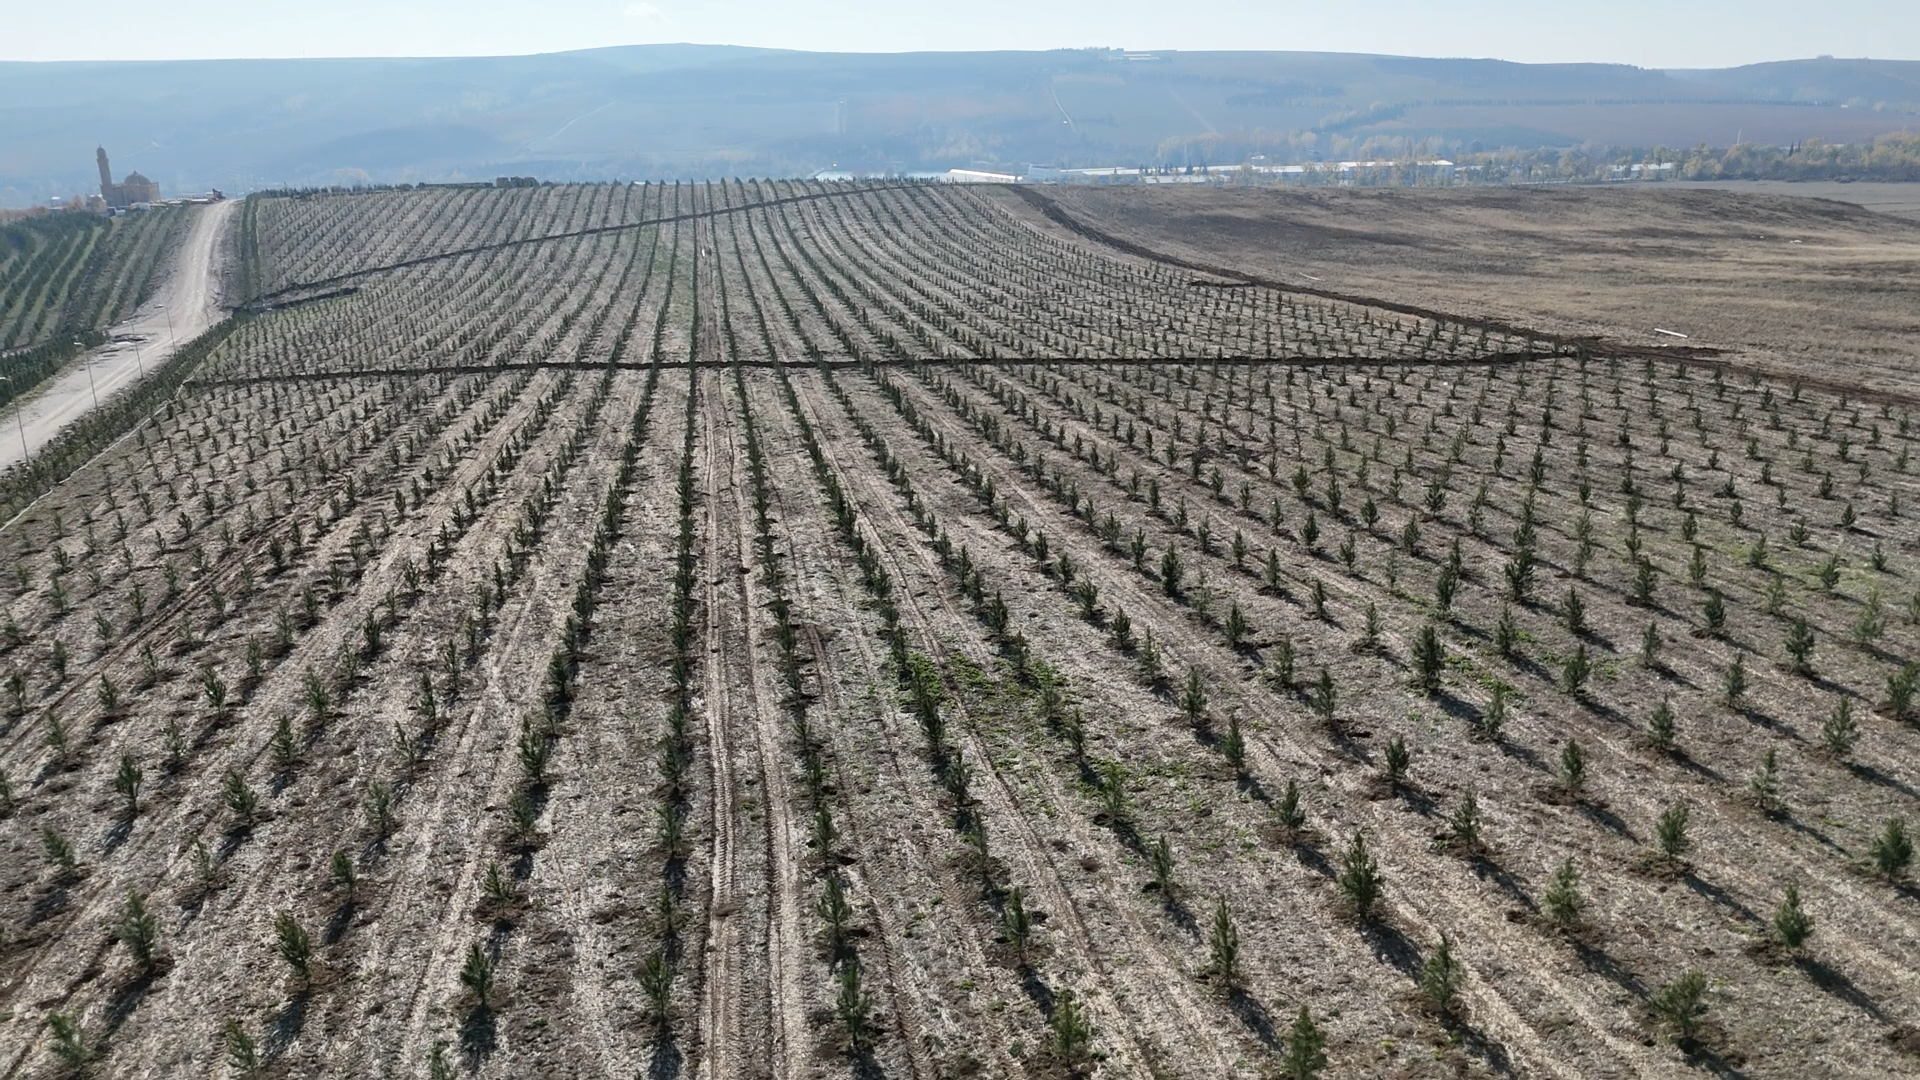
[(85, 363)]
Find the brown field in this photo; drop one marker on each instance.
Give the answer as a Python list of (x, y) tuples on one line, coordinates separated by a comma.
[(1787, 285), (776, 630)]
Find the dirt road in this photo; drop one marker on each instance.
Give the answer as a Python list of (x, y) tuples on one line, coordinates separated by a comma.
[(179, 311)]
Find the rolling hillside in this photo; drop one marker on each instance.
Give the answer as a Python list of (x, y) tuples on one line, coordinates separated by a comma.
[(690, 111)]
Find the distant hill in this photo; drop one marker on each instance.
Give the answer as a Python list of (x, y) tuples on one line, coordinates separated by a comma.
[(692, 111)]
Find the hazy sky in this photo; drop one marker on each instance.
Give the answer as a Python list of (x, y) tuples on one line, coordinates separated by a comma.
[(1650, 33)]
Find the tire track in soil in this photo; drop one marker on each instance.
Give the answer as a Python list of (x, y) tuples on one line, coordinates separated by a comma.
[(1125, 1039), (1390, 845), (728, 541), (813, 566), (512, 664)]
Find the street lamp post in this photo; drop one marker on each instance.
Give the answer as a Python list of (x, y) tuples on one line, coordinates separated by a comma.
[(25, 454)]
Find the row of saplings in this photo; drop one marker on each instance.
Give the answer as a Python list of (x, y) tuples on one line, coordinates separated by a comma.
[(1070, 1033), (1681, 1004)]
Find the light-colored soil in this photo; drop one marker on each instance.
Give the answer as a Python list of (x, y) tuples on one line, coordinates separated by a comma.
[(185, 305), (732, 519)]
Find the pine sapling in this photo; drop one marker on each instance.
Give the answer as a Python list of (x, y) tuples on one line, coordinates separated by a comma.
[(1306, 1052), (243, 1052), (1573, 769), (70, 1045), (1792, 926), (1839, 731), (1193, 699), (656, 983), (1681, 1005), (1223, 947), (1441, 978), (1494, 719), (1395, 761), (1763, 787), (1733, 690), (1016, 925), (1892, 850), (295, 946), (1463, 827), (1070, 1034), (241, 799), (477, 976), (1288, 816), (139, 931), (1661, 729), (1160, 861), (1429, 659), (1360, 881), (1233, 745), (126, 783), (1670, 833), (854, 1008), (1562, 900)]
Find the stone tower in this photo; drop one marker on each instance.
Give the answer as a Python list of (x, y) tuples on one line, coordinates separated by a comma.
[(106, 174)]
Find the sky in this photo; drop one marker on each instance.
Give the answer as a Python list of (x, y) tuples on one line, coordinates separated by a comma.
[(1647, 33)]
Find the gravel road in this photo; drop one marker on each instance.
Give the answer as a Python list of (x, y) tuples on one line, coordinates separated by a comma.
[(179, 311)]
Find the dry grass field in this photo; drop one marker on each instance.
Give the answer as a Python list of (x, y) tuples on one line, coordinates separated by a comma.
[(1789, 285), (783, 630)]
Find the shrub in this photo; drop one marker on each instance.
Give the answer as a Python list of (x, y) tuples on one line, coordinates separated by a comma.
[(1792, 926), (1360, 881), (1681, 1005)]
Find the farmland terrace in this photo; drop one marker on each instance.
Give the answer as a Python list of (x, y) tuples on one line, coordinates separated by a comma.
[(772, 630)]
